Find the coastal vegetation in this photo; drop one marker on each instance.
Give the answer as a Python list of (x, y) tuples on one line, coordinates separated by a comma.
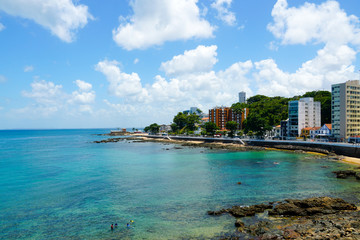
[(152, 128), (266, 112)]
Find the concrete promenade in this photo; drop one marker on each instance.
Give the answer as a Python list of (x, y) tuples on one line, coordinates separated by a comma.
[(344, 149)]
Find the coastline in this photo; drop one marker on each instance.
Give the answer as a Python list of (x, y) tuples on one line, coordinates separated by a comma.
[(231, 146), (239, 147)]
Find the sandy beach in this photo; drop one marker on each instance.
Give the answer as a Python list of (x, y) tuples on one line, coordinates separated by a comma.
[(351, 160)]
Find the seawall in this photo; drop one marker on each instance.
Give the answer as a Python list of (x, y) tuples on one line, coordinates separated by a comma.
[(344, 149)]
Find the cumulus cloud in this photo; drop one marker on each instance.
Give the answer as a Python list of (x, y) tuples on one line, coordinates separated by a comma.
[(46, 93), (201, 59), (222, 7), (28, 68), (121, 84), (84, 96), (193, 85), (50, 99), (62, 17), (155, 22), (325, 24)]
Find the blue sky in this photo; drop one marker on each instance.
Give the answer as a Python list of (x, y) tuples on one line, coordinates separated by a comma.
[(89, 63)]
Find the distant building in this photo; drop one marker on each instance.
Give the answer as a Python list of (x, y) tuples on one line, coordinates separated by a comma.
[(345, 109), (303, 113), (284, 128), (165, 128), (305, 132), (242, 97), (193, 110), (274, 132), (221, 115), (314, 132)]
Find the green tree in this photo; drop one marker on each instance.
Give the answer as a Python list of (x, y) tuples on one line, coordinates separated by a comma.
[(191, 121), (238, 108), (153, 128), (146, 129), (257, 124), (174, 127), (180, 120), (210, 128), (232, 126)]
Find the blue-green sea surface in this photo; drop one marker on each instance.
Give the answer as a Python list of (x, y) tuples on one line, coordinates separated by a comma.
[(57, 184)]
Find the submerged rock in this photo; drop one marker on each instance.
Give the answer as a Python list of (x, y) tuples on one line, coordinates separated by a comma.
[(345, 173)]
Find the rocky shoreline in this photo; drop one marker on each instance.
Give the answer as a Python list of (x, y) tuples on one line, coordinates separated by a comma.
[(312, 218), (217, 145)]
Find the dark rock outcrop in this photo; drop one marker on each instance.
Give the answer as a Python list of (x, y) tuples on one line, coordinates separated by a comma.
[(110, 140), (311, 206), (345, 173), (316, 218), (238, 211)]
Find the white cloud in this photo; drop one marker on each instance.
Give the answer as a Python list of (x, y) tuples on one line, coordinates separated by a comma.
[(201, 59), (193, 85), (157, 21), (61, 17), (121, 84), (50, 99), (325, 23), (83, 86), (136, 60), (222, 7), (84, 95), (28, 68), (2, 27), (46, 93)]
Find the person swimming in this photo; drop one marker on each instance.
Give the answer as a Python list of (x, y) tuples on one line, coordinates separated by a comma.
[(112, 227)]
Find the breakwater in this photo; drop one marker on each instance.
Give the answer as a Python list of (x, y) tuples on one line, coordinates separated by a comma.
[(344, 149)]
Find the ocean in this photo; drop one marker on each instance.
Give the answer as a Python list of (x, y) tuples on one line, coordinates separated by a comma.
[(58, 184)]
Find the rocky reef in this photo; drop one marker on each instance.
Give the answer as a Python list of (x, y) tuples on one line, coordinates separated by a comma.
[(312, 218)]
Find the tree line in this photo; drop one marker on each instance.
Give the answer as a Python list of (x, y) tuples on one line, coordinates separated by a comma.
[(264, 113)]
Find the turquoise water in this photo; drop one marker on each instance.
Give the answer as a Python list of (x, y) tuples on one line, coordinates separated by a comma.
[(57, 184)]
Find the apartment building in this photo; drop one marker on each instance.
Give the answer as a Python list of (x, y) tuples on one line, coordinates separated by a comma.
[(221, 115), (303, 113), (345, 109)]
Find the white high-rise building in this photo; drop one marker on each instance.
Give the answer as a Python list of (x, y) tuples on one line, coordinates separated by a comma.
[(345, 109), (303, 113), (242, 97)]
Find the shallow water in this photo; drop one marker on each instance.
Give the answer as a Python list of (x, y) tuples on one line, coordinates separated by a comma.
[(57, 184)]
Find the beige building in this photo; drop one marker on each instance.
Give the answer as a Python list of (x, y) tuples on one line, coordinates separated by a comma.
[(345, 109)]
